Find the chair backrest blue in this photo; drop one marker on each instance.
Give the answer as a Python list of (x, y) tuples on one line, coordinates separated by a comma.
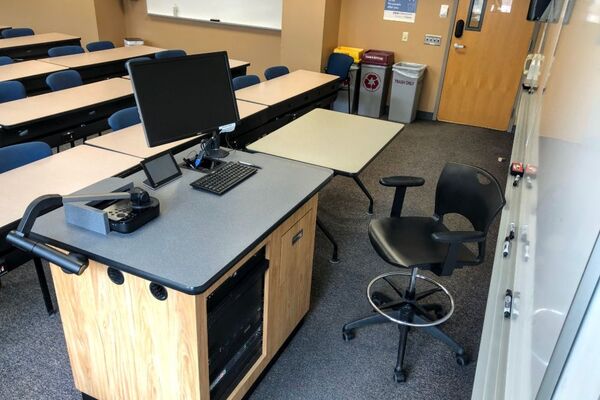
[(339, 64), (16, 32), (170, 53), (277, 71), (65, 51), (241, 82), (5, 60), (124, 118), (63, 80), (11, 90), (17, 155), (136, 59), (100, 45)]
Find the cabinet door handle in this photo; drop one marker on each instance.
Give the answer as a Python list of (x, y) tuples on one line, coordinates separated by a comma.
[(297, 236)]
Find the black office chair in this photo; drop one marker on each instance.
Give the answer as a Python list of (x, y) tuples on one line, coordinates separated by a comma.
[(426, 243)]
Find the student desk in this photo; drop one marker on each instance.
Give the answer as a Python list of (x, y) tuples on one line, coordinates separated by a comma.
[(345, 143), (35, 46), (62, 173), (132, 140), (288, 97), (64, 116), (238, 68), (32, 74), (124, 342), (98, 65)]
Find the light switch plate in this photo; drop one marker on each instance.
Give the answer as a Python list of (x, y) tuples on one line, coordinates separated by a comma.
[(444, 10), (405, 36), (433, 40)]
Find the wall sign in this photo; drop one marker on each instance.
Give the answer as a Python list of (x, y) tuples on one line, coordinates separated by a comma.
[(400, 10)]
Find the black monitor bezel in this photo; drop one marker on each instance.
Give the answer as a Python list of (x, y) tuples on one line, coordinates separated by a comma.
[(168, 179), (131, 70)]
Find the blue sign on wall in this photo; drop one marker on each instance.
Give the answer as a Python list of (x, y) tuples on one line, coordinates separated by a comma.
[(400, 10)]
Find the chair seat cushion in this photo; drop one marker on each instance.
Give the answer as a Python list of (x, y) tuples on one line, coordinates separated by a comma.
[(406, 242)]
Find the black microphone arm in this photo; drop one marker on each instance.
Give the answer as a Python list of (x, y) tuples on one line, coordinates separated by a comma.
[(20, 238)]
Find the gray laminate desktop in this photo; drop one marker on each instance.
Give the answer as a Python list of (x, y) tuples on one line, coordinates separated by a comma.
[(198, 235)]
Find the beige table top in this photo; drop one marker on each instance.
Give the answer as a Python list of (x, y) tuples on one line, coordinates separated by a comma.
[(132, 140), (62, 173), (284, 87), (237, 63), (102, 56), (342, 142), (45, 105), (4, 27), (26, 69), (34, 39)]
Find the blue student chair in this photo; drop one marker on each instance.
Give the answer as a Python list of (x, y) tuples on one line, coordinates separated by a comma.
[(5, 60), (16, 32), (16, 156), (170, 54), (137, 59), (339, 64), (275, 72), (241, 82), (63, 80), (11, 90), (124, 118), (100, 45), (65, 51)]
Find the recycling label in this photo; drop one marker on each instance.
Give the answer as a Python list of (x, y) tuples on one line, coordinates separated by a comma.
[(372, 82)]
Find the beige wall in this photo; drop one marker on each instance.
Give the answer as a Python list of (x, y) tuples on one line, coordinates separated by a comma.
[(75, 17), (331, 28), (110, 20), (259, 46), (362, 25), (302, 34)]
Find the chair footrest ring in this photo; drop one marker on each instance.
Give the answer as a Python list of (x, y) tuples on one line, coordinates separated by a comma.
[(408, 323)]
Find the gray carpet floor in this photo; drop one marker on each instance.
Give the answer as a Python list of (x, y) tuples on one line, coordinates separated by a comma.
[(317, 363)]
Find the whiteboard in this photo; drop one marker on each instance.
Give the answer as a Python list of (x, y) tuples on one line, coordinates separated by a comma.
[(264, 14)]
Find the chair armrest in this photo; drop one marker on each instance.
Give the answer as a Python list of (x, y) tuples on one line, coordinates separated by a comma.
[(458, 236), (402, 181)]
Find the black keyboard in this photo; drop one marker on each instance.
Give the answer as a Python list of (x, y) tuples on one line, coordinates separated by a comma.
[(224, 178)]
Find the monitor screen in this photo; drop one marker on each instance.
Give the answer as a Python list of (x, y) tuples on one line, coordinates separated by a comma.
[(184, 96)]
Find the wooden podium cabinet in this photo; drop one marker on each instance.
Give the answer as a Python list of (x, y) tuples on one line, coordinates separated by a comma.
[(124, 343)]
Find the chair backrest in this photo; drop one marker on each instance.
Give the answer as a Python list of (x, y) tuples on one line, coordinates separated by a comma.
[(124, 118), (339, 64), (276, 71), (11, 90), (136, 59), (241, 82), (65, 51), (100, 45), (16, 32), (170, 53), (17, 155), (63, 80), (471, 192), (5, 60)]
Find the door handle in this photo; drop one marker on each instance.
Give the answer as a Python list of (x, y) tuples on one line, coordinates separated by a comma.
[(459, 46)]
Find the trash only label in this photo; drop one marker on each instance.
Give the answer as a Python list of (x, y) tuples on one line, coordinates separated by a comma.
[(404, 82), (372, 82)]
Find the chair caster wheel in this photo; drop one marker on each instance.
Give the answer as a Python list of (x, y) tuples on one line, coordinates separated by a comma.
[(462, 359), (400, 376), (380, 299), (348, 336)]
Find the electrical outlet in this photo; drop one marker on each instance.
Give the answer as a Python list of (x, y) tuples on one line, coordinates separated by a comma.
[(405, 36), (433, 40)]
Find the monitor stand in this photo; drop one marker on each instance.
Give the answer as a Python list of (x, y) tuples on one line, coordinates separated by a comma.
[(214, 149)]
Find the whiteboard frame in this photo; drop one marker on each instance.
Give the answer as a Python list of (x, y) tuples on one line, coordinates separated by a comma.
[(208, 21)]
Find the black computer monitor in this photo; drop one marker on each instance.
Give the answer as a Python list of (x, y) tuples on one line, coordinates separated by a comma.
[(184, 96)]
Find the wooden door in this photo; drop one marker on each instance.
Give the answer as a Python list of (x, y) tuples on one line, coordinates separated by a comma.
[(485, 64)]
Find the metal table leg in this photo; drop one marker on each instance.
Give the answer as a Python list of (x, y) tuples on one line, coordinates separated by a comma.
[(44, 285), (334, 257), (365, 191)]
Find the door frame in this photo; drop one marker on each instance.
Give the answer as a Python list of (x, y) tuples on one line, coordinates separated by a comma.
[(438, 96)]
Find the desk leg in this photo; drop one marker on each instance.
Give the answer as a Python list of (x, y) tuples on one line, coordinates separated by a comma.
[(39, 269), (334, 257), (365, 191)]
